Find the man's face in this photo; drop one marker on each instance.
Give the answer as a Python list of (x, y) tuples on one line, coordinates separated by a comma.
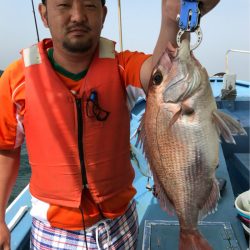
[(75, 25)]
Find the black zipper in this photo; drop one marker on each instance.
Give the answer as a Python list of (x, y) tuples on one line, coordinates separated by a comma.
[(81, 155), (80, 142)]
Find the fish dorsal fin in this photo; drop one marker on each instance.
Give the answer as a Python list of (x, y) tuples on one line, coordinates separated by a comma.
[(227, 126), (144, 169), (141, 138), (211, 203), (140, 142), (141, 134)]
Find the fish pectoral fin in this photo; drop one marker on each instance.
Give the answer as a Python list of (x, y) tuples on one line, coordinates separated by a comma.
[(183, 110), (186, 110), (227, 126), (175, 118)]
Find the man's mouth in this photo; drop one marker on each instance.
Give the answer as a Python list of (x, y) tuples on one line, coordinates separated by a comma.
[(78, 30)]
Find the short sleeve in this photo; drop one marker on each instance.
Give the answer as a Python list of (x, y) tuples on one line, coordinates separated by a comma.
[(130, 67), (11, 130)]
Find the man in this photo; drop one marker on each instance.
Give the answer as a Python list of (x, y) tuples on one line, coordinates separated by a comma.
[(69, 97)]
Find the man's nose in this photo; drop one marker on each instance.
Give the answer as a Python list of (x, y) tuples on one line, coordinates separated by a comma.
[(77, 12)]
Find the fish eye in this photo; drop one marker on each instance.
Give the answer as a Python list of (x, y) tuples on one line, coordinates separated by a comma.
[(157, 78)]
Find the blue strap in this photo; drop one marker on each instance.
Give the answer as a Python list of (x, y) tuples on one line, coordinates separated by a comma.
[(189, 15)]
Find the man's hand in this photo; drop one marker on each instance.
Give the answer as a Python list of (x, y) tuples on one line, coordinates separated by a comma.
[(207, 5), (9, 165), (4, 237), (168, 33), (173, 7)]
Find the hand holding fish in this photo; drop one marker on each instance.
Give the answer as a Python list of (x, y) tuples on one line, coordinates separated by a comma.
[(168, 33), (207, 5), (4, 237), (172, 7)]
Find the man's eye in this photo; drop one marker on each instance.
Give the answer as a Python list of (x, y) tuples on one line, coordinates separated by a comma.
[(63, 5), (90, 5)]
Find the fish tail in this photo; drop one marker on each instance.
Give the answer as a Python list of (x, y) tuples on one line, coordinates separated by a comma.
[(193, 240)]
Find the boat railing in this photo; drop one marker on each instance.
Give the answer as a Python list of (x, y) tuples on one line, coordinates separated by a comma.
[(233, 51), (228, 91)]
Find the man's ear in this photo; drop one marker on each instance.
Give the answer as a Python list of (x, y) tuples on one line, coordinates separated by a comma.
[(43, 13), (105, 10)]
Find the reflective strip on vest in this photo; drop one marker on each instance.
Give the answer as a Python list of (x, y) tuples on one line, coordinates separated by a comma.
[(31, 56)]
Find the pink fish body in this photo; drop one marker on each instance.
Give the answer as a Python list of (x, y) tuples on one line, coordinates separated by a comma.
[(180, 133)]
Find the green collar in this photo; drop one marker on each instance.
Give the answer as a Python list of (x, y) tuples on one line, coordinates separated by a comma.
[(61, 70)]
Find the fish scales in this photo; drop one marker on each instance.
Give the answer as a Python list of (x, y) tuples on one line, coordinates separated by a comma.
[(180, 134)]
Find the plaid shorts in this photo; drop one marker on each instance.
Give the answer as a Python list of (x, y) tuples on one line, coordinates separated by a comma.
[(120, 233)]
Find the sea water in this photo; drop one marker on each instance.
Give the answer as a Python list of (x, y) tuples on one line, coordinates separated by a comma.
[(23, 174)]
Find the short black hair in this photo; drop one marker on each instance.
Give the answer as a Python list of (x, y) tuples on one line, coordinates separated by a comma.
[(103, 2)]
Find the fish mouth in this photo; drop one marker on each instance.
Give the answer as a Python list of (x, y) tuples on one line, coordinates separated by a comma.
[(184, 52)]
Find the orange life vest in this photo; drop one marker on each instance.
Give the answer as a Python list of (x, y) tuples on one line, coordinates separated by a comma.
[(51, 129)]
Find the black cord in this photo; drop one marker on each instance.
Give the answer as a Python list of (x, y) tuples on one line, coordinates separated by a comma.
[(34, 13), (84, 227)]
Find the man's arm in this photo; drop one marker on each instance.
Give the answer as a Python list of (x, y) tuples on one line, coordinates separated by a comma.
[(9, 165), (168, 32)]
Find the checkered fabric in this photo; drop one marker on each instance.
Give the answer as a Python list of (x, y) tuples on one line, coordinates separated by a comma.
[(120, 233)]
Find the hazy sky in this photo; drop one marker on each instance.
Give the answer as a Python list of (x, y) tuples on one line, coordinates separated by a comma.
[(225, 27)]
